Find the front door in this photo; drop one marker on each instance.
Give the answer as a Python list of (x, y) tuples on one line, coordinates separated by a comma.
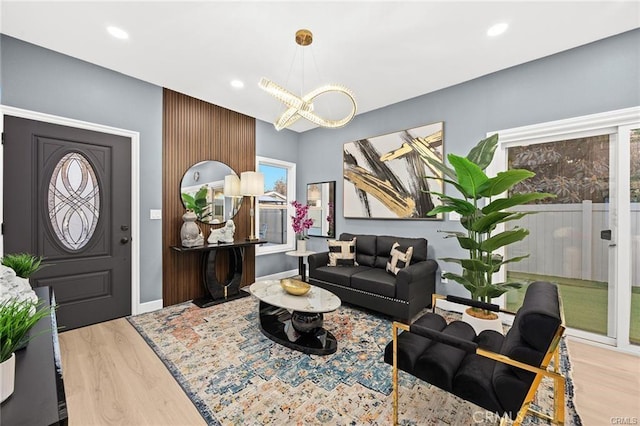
[(67, 198)]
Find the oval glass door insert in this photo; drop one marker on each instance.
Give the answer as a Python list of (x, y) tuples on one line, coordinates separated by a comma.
[(74, 201)]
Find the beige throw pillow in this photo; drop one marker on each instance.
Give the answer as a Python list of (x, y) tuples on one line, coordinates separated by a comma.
[(398, 259), (342, 253)]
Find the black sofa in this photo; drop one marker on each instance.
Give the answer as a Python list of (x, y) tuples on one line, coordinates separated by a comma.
[(370, 286)]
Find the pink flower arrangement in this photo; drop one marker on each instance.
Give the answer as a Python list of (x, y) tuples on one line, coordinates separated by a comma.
[(300, 221)]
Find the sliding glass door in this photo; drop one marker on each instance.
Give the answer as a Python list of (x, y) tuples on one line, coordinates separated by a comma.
[(569, 234), (587, 238)]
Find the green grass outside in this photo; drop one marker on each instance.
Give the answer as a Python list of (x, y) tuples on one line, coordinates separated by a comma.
[(585, 302)]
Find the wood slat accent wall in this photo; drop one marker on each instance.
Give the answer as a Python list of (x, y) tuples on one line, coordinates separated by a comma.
[(194, 131)]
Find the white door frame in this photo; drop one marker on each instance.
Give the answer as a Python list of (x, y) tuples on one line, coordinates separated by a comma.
[(611, 122), (135, 182)]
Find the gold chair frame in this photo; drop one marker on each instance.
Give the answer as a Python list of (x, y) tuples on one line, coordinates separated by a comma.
[(552, 352)]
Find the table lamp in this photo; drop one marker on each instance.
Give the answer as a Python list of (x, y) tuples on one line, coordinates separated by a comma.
[(252, 185)]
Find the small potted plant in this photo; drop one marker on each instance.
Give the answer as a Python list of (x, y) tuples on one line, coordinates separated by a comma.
[(301, 223), (198, 203), (24, 264), (17, 317)]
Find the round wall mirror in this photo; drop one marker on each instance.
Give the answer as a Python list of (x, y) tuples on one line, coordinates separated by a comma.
[(212, 190)]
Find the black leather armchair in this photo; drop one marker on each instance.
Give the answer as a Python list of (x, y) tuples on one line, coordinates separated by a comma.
[(499, 373)]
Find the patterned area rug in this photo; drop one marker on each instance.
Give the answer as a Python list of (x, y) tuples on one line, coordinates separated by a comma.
[(236, 375)]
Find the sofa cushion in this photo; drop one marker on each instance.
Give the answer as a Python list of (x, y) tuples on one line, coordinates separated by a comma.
[(342, 253), (332, 274), (399, 259), (374, 280), (365, 248), (385, 243)]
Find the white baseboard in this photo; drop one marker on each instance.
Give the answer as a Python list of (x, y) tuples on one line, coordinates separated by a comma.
[(145, 307), (279, 275)]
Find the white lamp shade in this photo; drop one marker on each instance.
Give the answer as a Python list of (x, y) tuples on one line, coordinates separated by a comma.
[(251, 183), (232, 186)]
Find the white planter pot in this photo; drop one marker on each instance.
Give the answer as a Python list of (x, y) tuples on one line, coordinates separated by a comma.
[(302, 246), (7, 377), (480, 324)]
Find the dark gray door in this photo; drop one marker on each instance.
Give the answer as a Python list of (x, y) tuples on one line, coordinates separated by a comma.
[(67, 197)]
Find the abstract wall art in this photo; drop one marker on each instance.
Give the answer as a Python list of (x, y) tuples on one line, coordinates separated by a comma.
[(384, 176)]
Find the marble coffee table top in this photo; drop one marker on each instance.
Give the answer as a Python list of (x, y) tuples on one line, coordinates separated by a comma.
[(316, 300)]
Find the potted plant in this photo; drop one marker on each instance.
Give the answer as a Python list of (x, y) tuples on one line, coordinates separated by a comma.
[(17, 317), (482, 209), (198, 203), (301, 223), (24, 264)]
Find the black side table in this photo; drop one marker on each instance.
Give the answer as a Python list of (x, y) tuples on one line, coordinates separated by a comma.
[(220, 292)]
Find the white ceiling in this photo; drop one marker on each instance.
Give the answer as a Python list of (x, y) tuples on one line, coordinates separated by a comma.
[(385, 52)]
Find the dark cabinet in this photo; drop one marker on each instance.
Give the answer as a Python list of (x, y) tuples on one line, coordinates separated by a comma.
[(38, 398)]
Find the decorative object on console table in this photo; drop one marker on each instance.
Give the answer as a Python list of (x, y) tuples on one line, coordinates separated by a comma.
[(481, 211), (384, 175), (224, 234), (252, 185), (198, 203), (220, 292), (190, 234)]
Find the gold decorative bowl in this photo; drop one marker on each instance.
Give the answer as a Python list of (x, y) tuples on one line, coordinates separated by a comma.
[(295, 287)]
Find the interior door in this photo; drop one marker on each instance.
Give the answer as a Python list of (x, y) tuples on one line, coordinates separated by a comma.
[(67, 197)]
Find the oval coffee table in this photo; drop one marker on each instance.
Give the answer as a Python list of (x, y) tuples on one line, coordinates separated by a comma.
[(296, 321)]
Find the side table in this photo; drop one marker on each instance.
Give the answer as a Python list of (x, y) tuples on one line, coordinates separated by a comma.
[(301, 266)]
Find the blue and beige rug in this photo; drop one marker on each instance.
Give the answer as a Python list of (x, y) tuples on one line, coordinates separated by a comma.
[(236, 375)]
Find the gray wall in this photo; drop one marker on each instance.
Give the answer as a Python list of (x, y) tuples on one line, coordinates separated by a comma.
[(42, 80), (282, 145), (598, 77)]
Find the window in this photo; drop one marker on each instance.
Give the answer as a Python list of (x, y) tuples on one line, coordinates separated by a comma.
[(273, 215)]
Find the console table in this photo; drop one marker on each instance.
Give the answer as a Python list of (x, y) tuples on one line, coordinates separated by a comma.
[(38, 398), (220, 292)]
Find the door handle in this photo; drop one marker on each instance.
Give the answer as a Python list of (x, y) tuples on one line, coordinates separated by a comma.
[(124, 240)]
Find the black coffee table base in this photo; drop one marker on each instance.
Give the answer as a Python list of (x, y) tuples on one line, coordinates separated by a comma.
[(305, 334)]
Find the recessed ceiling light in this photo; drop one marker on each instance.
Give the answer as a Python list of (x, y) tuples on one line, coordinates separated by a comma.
[(118, 32), (497, 29), (237, 84)]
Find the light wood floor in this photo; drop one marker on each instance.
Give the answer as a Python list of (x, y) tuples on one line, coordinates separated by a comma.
[(607, 384), (112, 377)]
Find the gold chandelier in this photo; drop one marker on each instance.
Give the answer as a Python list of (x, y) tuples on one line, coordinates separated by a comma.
[(302, 106)]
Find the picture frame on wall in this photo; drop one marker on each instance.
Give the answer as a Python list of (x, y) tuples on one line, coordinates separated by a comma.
[(385, 177)]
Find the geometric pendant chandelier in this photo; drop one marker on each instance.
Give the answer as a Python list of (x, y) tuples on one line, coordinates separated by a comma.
[(302, 106)]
